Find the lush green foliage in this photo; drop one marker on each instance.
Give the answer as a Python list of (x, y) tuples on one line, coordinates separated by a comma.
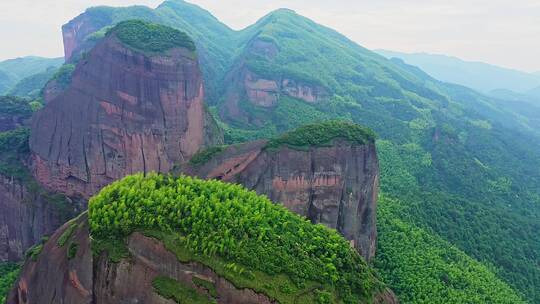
[(323, 134), (72, 250), (279, 287), (14, 147), (64, 238), (11, 105), (178, 292), (207, 285), (423, 268), (8, 275), (203, 156), (225, 220), (63, 75), (151, 38)]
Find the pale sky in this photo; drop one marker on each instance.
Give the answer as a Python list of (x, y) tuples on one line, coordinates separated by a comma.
[(501, 32)]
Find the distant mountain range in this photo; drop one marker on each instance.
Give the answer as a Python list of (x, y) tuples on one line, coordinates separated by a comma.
[(26, 70), (480, 76)]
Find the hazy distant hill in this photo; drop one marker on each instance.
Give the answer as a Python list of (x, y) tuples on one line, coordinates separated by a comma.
[(12, 71), (477, 75)]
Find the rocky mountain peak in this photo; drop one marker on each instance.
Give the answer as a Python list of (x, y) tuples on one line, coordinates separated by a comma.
[(135, 104)]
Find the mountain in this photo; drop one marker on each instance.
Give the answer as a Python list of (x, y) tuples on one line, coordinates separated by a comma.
[(103, 126), (480, 76), (24, 75), (31, 86), (169, 258), (127, 123), (332, 180), (461, 172)]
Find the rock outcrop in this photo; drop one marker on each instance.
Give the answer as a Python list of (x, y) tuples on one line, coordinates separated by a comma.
[(60, 277), (244, 83), (61, 274), (27, 215), (124, 112), (335, 185)]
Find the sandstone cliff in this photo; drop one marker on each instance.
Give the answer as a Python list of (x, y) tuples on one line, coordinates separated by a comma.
[(67, 271), (27, 215), (124, 112), (58, 276), (334, 185)]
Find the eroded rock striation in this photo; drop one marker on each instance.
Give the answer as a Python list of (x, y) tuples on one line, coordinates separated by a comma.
[(58, 276), (125, 111), (335, 185), (27, 215)]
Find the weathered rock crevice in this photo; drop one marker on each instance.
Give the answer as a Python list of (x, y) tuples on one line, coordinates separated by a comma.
[(124, 112)]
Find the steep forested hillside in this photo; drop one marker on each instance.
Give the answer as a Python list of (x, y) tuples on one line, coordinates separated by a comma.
[(464, 170)]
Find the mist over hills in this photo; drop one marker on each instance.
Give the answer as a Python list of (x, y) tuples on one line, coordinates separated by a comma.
[(477, 75)]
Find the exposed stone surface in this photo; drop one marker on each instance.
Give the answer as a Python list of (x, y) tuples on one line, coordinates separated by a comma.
[(84, 278), (124, 112), (26, 216), (336, 186), (75, 32), (54, 278)]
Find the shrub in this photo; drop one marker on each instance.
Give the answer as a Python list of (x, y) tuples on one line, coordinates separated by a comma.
[(203, 156)]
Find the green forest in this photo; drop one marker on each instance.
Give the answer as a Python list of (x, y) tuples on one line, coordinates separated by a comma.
[(8, 275)]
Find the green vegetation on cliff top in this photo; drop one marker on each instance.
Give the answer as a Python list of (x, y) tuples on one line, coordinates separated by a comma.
[(323, 134), (252, 237), (151, 38)]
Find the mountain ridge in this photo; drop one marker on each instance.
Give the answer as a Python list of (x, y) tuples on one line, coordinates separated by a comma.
[(480, 76)]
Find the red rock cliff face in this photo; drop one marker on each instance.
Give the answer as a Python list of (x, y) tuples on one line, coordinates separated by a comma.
[(335, 186), (123, 113), (75, 32), (55, 277), (27, 215)]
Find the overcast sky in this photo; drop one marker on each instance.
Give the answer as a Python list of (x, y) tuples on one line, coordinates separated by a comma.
[(501, 32)]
